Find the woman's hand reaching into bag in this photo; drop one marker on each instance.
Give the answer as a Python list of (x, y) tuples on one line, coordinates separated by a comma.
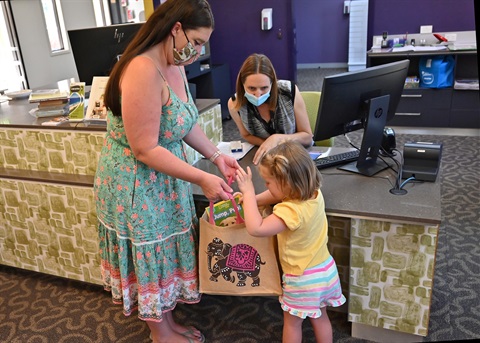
[(227, 165), (215, 188)]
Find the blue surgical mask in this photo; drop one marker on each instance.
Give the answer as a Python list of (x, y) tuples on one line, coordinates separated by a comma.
[(257, 101)]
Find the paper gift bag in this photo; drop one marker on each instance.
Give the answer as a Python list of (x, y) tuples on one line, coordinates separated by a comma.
[(232, 262)]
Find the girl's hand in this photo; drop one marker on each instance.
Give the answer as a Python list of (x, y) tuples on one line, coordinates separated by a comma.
[(244, 181)]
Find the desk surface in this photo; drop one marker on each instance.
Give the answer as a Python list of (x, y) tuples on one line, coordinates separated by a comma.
[(15, 113), (350, 195)]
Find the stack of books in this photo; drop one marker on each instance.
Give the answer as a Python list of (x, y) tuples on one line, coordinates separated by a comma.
[(51, 102)]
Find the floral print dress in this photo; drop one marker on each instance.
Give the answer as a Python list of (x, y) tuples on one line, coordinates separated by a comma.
[(147, 220)]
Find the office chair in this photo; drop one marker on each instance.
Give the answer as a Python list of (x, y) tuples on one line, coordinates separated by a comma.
[(312, 102)]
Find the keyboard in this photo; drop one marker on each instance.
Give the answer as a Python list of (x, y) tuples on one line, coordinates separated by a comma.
[(337, 159)]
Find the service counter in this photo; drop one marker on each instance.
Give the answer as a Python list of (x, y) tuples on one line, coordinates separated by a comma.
[(384, 246), (48, 221)]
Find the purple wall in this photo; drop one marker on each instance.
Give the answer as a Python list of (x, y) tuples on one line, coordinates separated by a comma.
[(322, 31), (238, 34), (444, 15), (321, 24), (316, 31)]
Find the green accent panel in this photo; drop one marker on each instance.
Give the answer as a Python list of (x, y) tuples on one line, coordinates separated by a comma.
[(70, 152), (357, 257), (372, 271), (391, 275), (395, 261), (210, 122), (377, 251), (375, 297), (354, 304), (368, 317), (49, 228), (426, 240), (390, 309), (420, 292)]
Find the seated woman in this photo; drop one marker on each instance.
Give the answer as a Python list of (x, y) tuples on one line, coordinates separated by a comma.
[(266, 110)]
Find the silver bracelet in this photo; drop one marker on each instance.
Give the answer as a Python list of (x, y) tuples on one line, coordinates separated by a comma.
[(215, 156)]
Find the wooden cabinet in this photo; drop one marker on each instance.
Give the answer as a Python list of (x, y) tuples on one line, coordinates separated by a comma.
[(428, 107)]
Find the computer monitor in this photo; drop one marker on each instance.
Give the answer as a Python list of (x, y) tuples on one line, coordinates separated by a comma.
[(96, 50), (364, 99)]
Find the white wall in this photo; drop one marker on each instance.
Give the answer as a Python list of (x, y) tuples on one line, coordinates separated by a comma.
[(41, 67)]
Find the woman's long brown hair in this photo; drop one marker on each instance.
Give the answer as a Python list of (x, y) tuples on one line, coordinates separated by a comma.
[(192, 14)]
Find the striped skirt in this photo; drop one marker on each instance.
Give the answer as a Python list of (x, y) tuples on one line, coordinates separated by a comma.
[(319, 286)]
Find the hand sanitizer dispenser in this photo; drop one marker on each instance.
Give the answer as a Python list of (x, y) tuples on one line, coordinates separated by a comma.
[(266, 19)]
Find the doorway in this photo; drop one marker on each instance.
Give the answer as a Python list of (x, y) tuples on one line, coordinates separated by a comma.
[(12, 71)]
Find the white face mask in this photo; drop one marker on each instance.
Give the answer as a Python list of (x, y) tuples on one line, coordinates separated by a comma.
[(184, 56), (257, 101)]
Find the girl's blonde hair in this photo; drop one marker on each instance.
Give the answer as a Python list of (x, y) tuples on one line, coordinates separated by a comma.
[(292, 167)]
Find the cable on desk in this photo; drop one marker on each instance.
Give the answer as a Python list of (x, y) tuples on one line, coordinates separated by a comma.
[(411, 178), (398, 190)]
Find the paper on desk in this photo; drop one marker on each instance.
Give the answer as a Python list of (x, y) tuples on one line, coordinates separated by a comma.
[(4, 98), (419, 48), (224, 147), (314, 154)]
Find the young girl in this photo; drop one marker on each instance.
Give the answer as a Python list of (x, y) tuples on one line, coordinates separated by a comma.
[(310, 276)]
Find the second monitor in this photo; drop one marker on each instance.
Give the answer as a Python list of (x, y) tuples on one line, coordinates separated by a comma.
[(364, 99)]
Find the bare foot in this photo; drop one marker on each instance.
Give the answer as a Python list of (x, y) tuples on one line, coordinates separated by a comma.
[(174, 338), (187, 331), (162, 332)]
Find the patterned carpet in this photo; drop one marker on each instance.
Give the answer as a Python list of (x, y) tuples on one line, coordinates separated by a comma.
[(35, 307)]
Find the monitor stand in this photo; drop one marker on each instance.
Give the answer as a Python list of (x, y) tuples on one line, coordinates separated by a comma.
[(367, 163), (371, 170)]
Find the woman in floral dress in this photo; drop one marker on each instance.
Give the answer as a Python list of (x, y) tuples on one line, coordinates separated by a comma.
[(143, 182)]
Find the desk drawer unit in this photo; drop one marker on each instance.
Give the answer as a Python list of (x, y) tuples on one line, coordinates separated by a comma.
[(423, 107), (465, 110)]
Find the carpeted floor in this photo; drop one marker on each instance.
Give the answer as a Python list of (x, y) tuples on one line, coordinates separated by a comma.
[(35, 307)]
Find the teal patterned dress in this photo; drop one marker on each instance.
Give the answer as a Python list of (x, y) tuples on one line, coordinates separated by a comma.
[(147, 220)]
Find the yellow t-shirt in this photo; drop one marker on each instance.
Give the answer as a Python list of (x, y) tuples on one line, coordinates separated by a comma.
[(304, 243)]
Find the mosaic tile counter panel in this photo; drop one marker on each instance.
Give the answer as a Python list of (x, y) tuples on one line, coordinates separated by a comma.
[(46, 227), (52, 228), (391, 275)]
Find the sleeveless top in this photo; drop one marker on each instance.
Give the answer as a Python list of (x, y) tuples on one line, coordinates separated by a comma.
[(282, 121)]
